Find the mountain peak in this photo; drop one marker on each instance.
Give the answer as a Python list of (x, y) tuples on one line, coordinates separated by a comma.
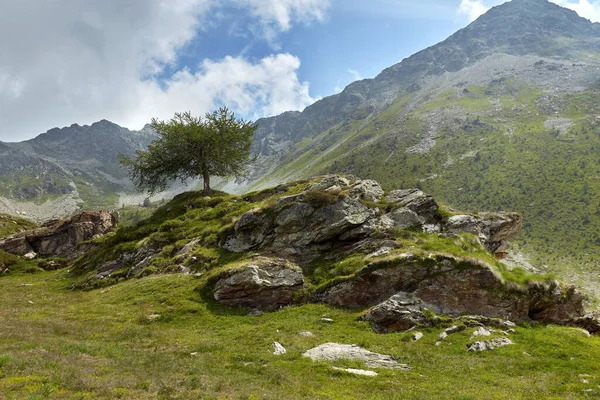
[(519, 27), (104, 123), (533, 16)]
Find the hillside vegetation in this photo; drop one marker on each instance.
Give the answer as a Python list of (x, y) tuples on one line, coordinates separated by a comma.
[(10, 224), (159, 333), (156, 338), (505, 153), (187, 234)]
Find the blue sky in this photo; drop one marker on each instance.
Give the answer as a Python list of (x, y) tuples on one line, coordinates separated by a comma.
[(130, 61), (356, 39)]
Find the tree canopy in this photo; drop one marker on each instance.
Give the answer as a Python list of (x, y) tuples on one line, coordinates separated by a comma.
[(189, 147)]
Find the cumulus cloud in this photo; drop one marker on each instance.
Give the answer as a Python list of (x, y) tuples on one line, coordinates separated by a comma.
[(268, 87), (472, 8), (585, 8), (64, 62)]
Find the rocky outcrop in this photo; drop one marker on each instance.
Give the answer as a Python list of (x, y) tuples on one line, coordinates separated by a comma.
[(415, 200), (336, 211), (343, 216), (399, 313), (60, 238), (446, 285), (264, 284), (493, 229), (305, 225), (379, 281), (135, 261)]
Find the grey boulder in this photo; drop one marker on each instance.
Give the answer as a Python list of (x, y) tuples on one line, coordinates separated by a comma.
[(399, 313), (415, 200), (368, 190), (263, 284), (489, 344), (335, 351)]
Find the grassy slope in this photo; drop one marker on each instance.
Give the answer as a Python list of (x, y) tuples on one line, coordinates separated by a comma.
[(162, 337), (193, 216), (10, 224), (492, 152), (106, 344)]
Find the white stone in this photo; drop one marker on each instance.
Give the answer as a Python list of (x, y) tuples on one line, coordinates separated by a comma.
[(482, 332), (336, 351), (278, 349)]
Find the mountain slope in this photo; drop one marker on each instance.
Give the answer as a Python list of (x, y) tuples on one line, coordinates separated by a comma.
[(65, 169), (501, 115)]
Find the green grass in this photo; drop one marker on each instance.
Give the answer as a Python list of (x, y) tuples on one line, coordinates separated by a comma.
[(10, 224), (157, 338), (163, 336)]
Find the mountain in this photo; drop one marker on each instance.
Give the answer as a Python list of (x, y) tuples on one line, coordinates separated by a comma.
[(504, 114), (65, 169)]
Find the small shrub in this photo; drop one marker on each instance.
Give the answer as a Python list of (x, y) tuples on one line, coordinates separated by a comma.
[(149, 270), (321, 198), (171, 225)]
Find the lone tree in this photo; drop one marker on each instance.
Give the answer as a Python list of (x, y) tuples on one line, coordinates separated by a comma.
[(189, 147)]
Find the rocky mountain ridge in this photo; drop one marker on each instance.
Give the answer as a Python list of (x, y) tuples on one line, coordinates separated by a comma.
[(533, 28), (63, 170)]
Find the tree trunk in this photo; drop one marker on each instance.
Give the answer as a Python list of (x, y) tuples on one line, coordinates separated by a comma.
[(206, 178)]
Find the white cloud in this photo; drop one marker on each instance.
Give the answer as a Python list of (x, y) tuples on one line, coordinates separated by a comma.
[(585, 8), (355, 77), (279, 13), (355, 74), (276, 16), (87, 60), (472, 8), (268, 87)]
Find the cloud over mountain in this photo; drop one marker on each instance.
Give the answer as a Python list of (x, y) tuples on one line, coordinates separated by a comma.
[(83, 61)]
